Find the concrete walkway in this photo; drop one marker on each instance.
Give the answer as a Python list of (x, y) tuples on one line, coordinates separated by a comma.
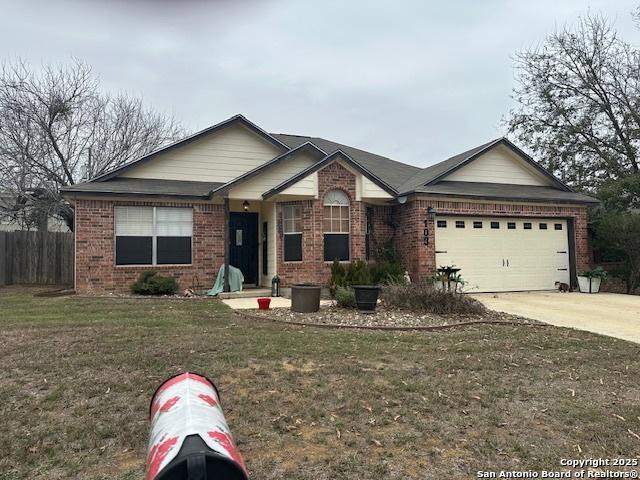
[(276, 302), (609, 314)]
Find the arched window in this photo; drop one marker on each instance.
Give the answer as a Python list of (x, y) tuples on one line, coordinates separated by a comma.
[(336, 226)]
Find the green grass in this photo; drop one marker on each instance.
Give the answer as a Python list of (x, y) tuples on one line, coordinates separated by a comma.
[(303, 403)]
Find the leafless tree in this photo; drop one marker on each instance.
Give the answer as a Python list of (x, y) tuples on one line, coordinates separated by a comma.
[(58, 129), (577, 103)]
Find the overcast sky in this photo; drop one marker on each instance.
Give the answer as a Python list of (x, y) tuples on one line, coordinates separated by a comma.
[(417, 81)]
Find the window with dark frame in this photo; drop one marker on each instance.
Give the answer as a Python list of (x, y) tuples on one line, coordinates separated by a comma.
[(557, 226), (543, 226), (442, 224), (459, 223), (292, 233), (495, 225), (511, 225), (336, 226), (153, 235), (527, 226), (477, 224)]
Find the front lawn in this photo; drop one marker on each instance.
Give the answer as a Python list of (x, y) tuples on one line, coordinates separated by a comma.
[(304, 403)]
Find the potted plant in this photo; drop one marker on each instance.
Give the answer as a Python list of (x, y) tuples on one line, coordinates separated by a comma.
[(366, 297), (439, 281), (589, 280), (457, 283), (365, 290), (447, 279)]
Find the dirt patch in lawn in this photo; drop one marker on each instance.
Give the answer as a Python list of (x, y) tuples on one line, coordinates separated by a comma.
[(307, 403), (383, 317)]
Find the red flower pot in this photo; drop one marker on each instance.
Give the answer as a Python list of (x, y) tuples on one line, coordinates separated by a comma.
[(263, 303)]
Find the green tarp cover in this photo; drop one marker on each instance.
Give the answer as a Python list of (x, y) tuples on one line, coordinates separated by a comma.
[(235, 281)]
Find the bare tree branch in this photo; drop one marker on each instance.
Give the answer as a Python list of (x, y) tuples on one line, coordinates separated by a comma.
[(577, 103), (57, 128)]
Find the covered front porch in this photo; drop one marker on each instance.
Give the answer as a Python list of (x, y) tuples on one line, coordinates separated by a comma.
[(250, 228), (297, 228)]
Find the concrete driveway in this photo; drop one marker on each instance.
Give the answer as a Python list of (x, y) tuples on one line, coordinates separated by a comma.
[(605, 313)]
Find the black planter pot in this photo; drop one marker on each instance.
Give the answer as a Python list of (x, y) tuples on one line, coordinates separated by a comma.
[(366, 297)]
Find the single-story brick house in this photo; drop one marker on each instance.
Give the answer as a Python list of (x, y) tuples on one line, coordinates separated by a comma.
[(289, 205)]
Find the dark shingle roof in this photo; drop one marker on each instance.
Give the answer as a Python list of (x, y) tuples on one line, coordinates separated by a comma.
[(145, 186), (401, 177), (504, 191), (390, 171)]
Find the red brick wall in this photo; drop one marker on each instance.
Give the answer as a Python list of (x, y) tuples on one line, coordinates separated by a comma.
[(419, 259), (96, 271), (313, 268), (95, 263)]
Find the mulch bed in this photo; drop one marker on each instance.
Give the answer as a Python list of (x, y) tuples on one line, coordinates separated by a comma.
[(383, 318)]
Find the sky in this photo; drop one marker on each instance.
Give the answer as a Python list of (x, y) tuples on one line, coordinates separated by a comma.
[(417, 81)]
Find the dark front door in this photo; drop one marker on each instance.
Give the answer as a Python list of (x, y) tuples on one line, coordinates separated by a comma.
[(243, 253)]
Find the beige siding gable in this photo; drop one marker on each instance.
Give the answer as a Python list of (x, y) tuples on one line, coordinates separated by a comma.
[(276, 174), (499, 165), (371, 190), (218, 157), (307, 186), (365, 188)]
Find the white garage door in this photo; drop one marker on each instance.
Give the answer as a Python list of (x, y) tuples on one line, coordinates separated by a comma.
[(504, 254)]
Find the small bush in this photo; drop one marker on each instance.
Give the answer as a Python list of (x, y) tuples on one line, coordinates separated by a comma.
[(345, 297), (619, 233), (424, 297), (384, 273), (151, 283), (361, 273), (338, 277)]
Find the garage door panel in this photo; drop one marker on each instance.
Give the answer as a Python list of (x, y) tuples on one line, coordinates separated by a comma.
[(524, 257)]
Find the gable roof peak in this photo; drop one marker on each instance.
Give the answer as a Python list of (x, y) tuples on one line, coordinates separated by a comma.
[(328, 159), (237, 118), (287, 154), (339, 151), (437, 172)]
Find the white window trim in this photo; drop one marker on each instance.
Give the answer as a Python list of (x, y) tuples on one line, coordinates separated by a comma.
[(348, 232), (284, 209), (154, 239), (342, 205)]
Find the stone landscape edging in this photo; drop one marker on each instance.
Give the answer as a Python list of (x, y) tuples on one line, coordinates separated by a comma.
[(336, 326)]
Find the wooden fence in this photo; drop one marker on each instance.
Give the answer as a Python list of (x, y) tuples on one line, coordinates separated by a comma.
[(37, 258)]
